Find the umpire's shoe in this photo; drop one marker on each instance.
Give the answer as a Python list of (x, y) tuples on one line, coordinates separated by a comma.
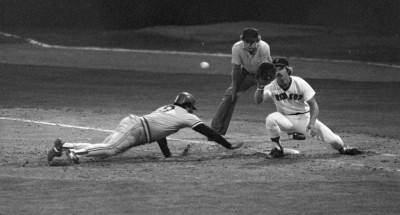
[(56, 151)]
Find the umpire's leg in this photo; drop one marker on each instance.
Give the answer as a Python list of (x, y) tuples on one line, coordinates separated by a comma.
[(223, 115)]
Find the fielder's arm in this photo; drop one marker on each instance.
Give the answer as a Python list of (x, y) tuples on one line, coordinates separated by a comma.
[(260, 94), (314, 110), (163, 144), (211, 134)]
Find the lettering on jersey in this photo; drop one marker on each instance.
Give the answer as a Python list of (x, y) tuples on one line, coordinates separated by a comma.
[(291, 96), (167, 108)]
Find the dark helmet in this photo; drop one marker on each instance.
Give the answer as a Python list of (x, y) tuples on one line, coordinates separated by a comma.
[(280, 62), (185, 98), (284, 63)]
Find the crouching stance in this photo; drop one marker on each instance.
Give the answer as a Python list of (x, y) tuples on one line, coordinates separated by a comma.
[(135, 130), (297, 108)]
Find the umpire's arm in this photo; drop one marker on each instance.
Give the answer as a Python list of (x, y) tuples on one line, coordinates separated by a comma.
[(211, 134), (237, 78)]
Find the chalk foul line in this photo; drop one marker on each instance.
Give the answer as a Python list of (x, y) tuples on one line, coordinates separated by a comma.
[(45, 45)]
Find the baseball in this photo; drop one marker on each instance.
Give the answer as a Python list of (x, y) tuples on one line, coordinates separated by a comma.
[(204, 65)]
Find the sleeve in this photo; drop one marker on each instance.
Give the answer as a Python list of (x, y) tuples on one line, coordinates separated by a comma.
[(191, 120), (211, 134), (266, 53), (163, 144), (267, 92), (236, 54), (308, 91)]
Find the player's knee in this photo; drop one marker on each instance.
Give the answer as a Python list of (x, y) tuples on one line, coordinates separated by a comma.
[(272, 119)]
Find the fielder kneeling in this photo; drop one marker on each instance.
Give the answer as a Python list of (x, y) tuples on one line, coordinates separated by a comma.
[(297, 108), (135, 130)]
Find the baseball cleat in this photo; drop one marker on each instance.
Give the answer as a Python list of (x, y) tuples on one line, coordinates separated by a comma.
[(56, 150), (350, 151), (72, 156), (276, 153), (298, 136)]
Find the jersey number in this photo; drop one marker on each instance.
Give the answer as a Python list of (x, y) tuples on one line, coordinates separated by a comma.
[(167, 108)]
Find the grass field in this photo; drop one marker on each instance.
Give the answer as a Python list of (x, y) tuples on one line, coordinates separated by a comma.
[(98, 88)]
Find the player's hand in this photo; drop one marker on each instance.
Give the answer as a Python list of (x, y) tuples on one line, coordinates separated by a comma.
[(311, 130), (237, 145)]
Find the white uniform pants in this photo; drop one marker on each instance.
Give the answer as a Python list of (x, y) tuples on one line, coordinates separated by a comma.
[(277, 122), (128, 134)]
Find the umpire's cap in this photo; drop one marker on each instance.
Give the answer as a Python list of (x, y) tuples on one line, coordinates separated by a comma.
[(250, 34), (185, 98)]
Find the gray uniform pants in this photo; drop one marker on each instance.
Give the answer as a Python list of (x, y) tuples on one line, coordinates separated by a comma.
[(223, 115)]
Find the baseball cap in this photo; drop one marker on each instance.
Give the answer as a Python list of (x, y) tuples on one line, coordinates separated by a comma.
[(249, 34), (280, 62)]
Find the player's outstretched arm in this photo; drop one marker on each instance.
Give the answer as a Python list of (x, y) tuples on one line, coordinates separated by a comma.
[(163, 144), (211, 134)]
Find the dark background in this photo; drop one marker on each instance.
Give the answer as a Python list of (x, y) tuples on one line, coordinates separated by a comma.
[(380, 16)]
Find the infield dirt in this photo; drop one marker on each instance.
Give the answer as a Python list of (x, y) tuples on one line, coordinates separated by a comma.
[(210, 179)]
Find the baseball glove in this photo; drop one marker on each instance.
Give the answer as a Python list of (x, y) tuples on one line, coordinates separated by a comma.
[(265, 73)]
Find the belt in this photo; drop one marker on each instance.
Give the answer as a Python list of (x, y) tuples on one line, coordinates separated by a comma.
[(146, 127), (298, 113)]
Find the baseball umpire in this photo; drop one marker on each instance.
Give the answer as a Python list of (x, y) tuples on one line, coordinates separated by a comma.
[(135, 130), (247, 55), (296, 107)]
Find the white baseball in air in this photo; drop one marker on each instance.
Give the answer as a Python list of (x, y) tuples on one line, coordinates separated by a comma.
[(204, 65)]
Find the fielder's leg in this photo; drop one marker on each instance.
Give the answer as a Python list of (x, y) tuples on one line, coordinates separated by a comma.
[(274, 124), (328, 136)]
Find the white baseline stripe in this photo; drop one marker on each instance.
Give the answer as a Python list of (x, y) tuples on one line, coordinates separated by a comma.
[(94, 129), (45, 45)]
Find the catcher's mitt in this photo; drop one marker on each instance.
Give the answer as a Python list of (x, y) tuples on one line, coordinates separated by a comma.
[(266, 73)]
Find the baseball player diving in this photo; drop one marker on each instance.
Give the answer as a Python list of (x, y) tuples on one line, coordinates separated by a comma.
[(135, 130), (296, 107), (247, 55)]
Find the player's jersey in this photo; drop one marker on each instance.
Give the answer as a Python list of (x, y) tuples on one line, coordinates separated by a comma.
[(293, 100), (248, 61), (167, 120)]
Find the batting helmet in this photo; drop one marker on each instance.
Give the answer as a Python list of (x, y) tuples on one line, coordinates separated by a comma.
[(185, 98)]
